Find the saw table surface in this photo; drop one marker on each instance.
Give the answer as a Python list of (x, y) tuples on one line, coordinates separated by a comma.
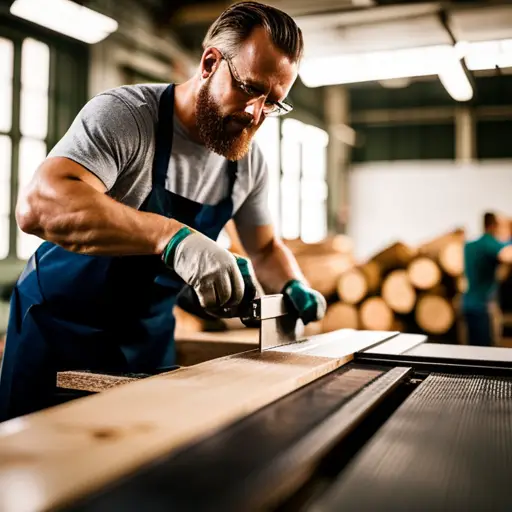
[(50, 458)]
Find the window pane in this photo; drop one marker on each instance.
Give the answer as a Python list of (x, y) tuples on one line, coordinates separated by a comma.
[(269, 141), (291, 146), (313, 221), (4, 236), (290, 204), (314, 152), (6, 67), (5, 174), (35, 65), (6, 59), (5, 106), (314, 189), (32, 154), (34, 114)]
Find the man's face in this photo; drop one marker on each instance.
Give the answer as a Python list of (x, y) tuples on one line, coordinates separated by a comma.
[(227, 118)]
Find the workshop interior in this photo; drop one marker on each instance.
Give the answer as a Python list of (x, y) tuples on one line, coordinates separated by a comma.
[(381, 378)]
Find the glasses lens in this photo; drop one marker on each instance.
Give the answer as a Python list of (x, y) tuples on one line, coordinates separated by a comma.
[(277, 110)]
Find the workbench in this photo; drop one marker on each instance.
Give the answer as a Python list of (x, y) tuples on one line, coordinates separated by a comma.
[(350, 420)]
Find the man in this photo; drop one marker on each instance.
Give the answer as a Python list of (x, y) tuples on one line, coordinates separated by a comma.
[(130, 203), (481, 260)]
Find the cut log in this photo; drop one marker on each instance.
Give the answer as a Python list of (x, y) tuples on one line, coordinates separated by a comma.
[(451, 258), (424, 273), (340, 316), (447, 251), (433, 247), (340, 244), (376, 315), (323, 271), (355, 284), (434, 314), (398, 293), (397, 255)]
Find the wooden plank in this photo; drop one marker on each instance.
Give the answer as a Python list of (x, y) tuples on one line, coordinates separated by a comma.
[(55, 456), (198, 347)]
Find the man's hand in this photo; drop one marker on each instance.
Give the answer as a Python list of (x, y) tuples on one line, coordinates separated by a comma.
[(306, 303), (219, 278)]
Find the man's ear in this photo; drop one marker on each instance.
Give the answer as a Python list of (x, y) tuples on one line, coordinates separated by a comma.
[(210, 61)]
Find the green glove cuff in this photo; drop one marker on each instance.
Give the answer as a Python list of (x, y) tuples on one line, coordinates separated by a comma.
[(301, 299), (245, 270), (170, 249)]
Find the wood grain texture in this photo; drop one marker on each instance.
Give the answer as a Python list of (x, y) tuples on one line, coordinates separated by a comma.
[(55, 456)]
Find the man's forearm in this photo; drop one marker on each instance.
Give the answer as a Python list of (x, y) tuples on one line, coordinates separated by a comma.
[(275, 266), (72, 214)]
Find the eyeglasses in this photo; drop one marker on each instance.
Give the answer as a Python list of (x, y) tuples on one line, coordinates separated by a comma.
[(271, 108)]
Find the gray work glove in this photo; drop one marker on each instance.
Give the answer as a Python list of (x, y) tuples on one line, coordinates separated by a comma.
[(220, 279)]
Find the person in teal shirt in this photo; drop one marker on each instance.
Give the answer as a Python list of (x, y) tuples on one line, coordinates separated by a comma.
[(481, 259)]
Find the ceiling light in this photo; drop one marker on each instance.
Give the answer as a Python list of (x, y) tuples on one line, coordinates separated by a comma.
[(455, 81), (66, 17), (364, 67)]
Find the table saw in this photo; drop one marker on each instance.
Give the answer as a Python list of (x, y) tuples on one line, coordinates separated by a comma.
[(349, 420)]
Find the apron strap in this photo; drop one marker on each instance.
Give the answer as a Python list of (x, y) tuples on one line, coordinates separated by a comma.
[(232, 171), (164, 136)]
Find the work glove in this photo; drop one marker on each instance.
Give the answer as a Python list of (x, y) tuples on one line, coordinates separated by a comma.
[(304, 302), (221, 281)]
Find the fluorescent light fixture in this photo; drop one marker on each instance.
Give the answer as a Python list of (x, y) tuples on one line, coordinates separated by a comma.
[(455, 81), (364, 67), (442, 60), (67, 18)]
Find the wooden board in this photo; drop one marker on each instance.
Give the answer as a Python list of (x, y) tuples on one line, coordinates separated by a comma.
[(55, 456)]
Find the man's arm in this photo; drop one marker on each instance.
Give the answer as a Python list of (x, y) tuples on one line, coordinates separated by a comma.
[(278, 272), (273, 262), (505, 254), (66, 204)]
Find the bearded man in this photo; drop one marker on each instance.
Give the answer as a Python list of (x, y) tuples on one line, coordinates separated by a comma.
[(130, 203)]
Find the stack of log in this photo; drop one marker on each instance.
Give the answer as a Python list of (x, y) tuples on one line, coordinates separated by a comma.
[(402, 288)]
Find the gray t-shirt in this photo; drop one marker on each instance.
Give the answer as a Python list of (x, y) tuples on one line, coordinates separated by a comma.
[(113, 136)]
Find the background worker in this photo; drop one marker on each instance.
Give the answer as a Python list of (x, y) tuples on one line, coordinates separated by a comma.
[(130, 203), (481, 259)]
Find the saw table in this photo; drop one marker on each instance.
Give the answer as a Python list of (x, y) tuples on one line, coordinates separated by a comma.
[(350, 420)]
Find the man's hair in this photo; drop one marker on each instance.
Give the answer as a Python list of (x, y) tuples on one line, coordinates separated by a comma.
[(238, 21), (490, 220)]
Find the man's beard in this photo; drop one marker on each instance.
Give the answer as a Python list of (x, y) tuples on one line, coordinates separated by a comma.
[(217, 132)]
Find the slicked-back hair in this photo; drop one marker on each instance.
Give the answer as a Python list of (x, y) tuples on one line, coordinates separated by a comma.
[(238, 21)]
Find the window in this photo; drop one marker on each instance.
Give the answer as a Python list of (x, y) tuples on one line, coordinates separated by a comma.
[(35, 74), (303, 181), (267, 137), (6, 80)]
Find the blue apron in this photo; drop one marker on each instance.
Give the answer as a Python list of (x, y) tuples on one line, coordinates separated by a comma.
[(100, 313)]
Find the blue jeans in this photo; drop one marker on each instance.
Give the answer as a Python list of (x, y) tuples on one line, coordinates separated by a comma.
[(479, 328)]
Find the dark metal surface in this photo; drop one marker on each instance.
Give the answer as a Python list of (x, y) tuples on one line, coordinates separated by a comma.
[(467, 352), (242, 466), (447, 448), (435, 357)]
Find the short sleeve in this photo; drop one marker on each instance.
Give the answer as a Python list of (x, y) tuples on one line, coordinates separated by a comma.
[(104, 137), (493, 247), (254, 210)]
